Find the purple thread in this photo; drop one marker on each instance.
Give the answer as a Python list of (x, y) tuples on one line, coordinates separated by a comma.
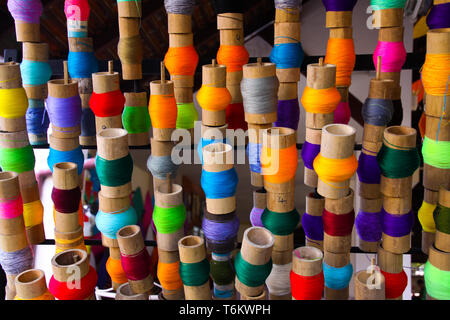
[(313, 226), (64, 112), (339, 5), (368, 169), (368, 226), (396, 225), (219, 232), (288, 114), (25, 10), (255, 217), (439, 16), (309, 153)]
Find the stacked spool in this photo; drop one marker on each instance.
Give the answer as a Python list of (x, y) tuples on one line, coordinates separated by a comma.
[(279, 165), (181, 60), (395, 278), (15, 253), (232, 54), (370, 284), (377, 112), (388, 18), (81, 63), (341, 51), (436, 144), (31, 285), (114, 167), (307, 280), (16, 153), (312, 220), (220, 223), (335, 165)]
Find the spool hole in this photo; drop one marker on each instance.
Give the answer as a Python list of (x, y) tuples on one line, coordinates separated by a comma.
[(7, 175), (400, 131), (66, 165), (339, 129), (129, 231), (70, 257), (30, 276), (112, 133), (308, 253), (260, 236), (191, 241)]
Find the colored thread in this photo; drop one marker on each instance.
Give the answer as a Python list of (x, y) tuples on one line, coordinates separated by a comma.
[(436, 153), (137, 266), (397, 164), (235, 116), (115, 270), (82, 64), (76, 10), (135, 119), (221, 269), (249, 274), (63, 245), (260, 95), (221, 235), (396, 225), (287, 4), (203, 143), (17, 261), (255, 217), (339, 5), (426, 218), (341, 52), (287, 55), (129, 49), (442, 218), (338, 225), (278, 282), (335, 170), (64, 112), (11, 208), (76, 156), (179, 6), (17, 159), (219, 185), (213, 99), (28, 11), (194, 274), (368, 169), (37, 118), (109, 223), (234, 57), (395, 283), (181, 61), (279, 165), (160, 167), (337, 278), (35, 73), (13, 103), (288, 114), (313, 226), (68, 291), (342, 114), (320, 100), (45, 296), (169, 220), (33, 213), (87, 123), (225, 6), (393, 53), (163, 111), (377, 112), (435, 74), (114, 173), (254, 156), (280, 224), (169, 276), (437, 18), (108, 104), (309, 153), (437, 282), (387, 4), (368, 226), (307, 288), (186, 115), (66, 201), (223, 292)]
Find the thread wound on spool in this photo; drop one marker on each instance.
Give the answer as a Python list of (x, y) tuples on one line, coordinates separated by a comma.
[(17, 261), (387, 4), (169, 276), (75, 155), (435, 153), (13, 103), (338, 5), (66, 291), (368, 226), (234, 57), (64, 112), (279, 165), (393, 54), (281, 224), (377, 112), (307, 288), (395, 283), (37, 118), (396, 225), (288, 114), (35, 73), (442, 218), (437, 18), (82, 64), (194, 274), (368, 169), (110, 223), (213, 99), (287, 55), (259, 94), (108, 104), (338, 225), (17, 160), (251, 275), (25, 10), (397, 164), (114, 173), (437, 282), (335, 170), (320, 100), (337, 278), (163, 111), (219, 185), (341, 52), (137, 266), (313, 226), (181, 61), (436, 74), (425, 215)]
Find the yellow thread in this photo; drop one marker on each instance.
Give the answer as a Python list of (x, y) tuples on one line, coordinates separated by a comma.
[(425, 215), (320, 100), (213, 99), (13, 103), (33, 213), (45, 296), (335, 170)]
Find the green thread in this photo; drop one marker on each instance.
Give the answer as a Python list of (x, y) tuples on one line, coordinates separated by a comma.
[(136, 119), (194, 274), (186, 115), (222, 272), (397, 164), (441, 217), (17, 159), (249, 274), (387, 4), (436, 153), (280, 224), (169, 220), (114, 173), (437, 282)]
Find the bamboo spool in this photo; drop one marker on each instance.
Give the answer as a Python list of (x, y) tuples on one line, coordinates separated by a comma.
[(262, 296), (170, 257), (314, 206), (230, 21), (69, 240), (255, 135), (35, 52), (166, 88), (160, 149), (394, 34), (307, 261), (192, 250), (336, 260), (129, 27), (137, 99), (257, 245), (179, 23), (27, 32), (287, 32), (287, 14), (370, 206), (338, 141), (442, 241), (387, 18), (124, 292), (313, 136), (214, 75), (370, 285), (338, 19), (30, 284), (177, 40), (231, 37), (129, 9)]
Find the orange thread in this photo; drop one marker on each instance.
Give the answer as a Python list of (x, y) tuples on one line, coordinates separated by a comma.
[(436, 74), (212, 98), (320, 100), (279, 165), (181, 61), (163, 111), (115, 270), (341, 52), (234, 57), (335, 170), (169, 275)]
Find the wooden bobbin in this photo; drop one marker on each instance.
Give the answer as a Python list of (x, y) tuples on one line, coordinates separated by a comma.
[(129, 27), (170, 257), (287, 14), (69, 240), (313, 136), (162, 87), (262, 296), (320, 76), (35, 52), (124, 292), (307, 261), (255, 135), (10, 78), (287, 32), (82, 45), (370, 206), (131, 243), (314, 207), (442, 241), (137, 99), (114, 254), (370, 285), (336, 260), (112, 144), (179, 23), (284, 256), (394, 34), (165, 198), (338, 19), (257, 245), (260, 70), (259, 199), (112, 206), (103, 82), (160, 149), (338, 141), (129, 9), (339, 244), (398, 137), (230, 21), (232, 37), (214, 75), (387, 18), (30, 284), (192, 250), (182, 81), (27, 32)]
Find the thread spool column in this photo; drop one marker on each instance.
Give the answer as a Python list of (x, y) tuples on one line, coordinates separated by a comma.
[(425, 214), (336, 287), (26, 19), (135, 118), (312, 220), (172, 286), (391, 266), (159, 159), (307, 262), (442, 240), (130, 46), (31, 285)]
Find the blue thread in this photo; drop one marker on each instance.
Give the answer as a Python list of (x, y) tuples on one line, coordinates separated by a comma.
[(203, 143), (82, 64), (287, 55), (254, 156), (87, 123), (223, 294), (219, 185), (37, 118), (110, 222), (75, 156), (337, 278), (35, 73)]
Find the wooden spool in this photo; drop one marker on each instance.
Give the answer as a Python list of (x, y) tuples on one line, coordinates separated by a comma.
[(338, 141), (314, 207), (287, 32), (170, 257), (137, 99), (254, 71), (370, 285), (112, 206), (179, 23), (394, 34), (307, 261), (214, 75), (387, 18), (27, 32), (129, 9), (232, 37), (259, 199), (30, 284), (192, 250), (160, 149), (124, 292), (182, 81), (230, 21), (287, 14), (262, 296), (442, 241), (129, 27), (320, 76), (336, 260), (257, 245), (255, 135), (69, 240), (162, 87), (372, 206), (35, 52), (338, 19), (313, 136)]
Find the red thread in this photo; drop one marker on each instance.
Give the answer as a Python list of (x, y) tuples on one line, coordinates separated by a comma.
[(307, 288), (235, 116), (85, 289), (66, 201), (338, 225), (136, 267), (395, 283), (108, 104)]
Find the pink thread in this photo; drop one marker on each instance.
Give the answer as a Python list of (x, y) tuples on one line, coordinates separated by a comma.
[(10, 209), (77, 10), (342, 114), (393, 56)]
